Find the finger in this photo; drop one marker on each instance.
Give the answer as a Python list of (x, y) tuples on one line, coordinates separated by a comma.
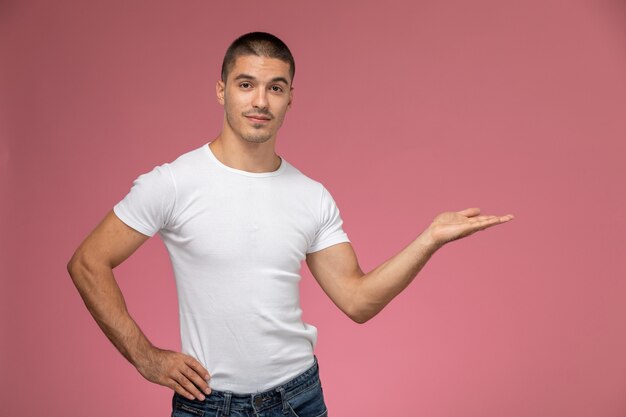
[(469, 212), (189, 387), (197, 366), (197, 380), (496, 219), (173, 384), (480, 219), (483, 222)]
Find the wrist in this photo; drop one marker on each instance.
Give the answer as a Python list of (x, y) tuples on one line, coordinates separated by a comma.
[(429, 242), (143, 355)]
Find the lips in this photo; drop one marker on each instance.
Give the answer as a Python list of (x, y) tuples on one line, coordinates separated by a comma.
[(258, 118)]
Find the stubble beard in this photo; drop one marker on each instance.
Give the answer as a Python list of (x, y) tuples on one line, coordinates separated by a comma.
[(258, 137)]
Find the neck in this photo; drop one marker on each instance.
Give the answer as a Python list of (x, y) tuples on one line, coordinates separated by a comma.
[(245, 156)]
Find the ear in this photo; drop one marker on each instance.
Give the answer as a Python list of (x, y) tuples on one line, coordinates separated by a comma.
[(219, 91), (290, 98)]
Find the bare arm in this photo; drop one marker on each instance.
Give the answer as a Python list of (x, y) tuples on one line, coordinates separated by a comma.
[(361, 296), (91, 269)]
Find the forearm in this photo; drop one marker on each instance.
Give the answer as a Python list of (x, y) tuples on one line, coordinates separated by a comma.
[(377, 288), (104, 300)]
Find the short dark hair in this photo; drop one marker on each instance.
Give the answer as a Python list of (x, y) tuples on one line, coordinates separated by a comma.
[(259, 44)]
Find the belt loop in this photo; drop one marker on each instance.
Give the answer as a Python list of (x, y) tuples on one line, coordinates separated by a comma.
[(284, 401), (226, 410)]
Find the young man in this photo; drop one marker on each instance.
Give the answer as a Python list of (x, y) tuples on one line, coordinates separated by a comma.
[(237, 220)]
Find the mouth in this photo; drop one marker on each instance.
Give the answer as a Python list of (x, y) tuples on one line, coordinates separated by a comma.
[(257, 118)]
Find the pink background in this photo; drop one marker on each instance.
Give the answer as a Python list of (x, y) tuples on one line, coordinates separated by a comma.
[(403, 110)]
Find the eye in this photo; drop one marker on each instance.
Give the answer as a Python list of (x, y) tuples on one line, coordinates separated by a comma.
[(276, 89), (245, 85)]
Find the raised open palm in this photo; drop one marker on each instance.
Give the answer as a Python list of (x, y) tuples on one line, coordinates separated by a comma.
[(453, 225)]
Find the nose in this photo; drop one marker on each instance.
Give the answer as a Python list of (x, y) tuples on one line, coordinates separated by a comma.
[(260, 99)]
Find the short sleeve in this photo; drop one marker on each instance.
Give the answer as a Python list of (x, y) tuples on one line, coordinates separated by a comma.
[(148, 205), (330, 230)]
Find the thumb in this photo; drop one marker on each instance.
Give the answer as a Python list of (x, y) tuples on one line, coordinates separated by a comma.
[(470, 212)]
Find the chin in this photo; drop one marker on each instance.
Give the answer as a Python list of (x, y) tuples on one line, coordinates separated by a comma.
[(257, 139)]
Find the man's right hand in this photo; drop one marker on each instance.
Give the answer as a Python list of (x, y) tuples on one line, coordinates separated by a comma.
[(177, 371), (91, 269)]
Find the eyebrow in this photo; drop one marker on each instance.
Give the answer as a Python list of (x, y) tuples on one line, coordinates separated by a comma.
[(250, 77)]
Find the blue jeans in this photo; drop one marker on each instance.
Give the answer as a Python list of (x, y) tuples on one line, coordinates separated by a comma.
[(301, 396)]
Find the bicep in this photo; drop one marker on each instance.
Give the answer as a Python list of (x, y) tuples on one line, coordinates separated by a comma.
[(110, 243), (337, 271)]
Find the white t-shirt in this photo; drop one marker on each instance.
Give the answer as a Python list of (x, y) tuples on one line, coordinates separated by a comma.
[(236, 240)]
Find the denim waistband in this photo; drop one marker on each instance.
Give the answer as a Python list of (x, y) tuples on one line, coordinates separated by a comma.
[(228, 400)]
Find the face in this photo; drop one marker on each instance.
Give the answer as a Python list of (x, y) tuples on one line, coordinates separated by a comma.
[(256, 97)]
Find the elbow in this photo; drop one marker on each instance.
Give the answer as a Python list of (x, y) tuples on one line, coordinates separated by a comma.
[(359, 317), (71, 265), (359, 320), (73, 268), (75, 262), (78, 266), (357, 311), (83, 273), (360, 310)]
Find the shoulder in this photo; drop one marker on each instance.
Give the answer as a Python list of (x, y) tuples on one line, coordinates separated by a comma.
[(177, 165), (302, 181), (189, 168), (189, 160)]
